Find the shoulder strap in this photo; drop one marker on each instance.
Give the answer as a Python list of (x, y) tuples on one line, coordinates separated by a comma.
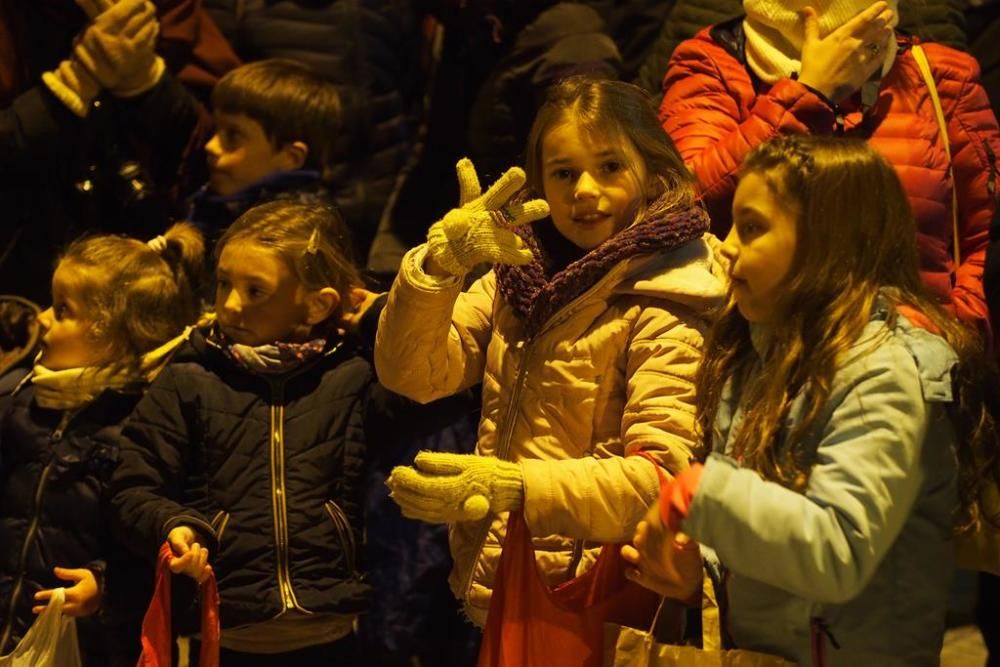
[(925, 71)]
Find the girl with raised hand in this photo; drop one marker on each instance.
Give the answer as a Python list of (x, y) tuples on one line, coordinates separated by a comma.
[(119, 307), (843, 410), (585, 335), (247, 454)]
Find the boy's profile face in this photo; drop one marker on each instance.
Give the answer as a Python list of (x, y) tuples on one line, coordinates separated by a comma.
[(240, 154)]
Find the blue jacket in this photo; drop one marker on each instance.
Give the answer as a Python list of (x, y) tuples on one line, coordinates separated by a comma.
[(862, 560)]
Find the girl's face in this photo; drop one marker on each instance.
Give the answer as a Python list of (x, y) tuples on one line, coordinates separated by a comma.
[(258, 298), (68, 339), (760, 247), (592, 191)]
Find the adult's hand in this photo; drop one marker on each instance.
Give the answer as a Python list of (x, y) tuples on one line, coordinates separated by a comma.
[(838, 63)]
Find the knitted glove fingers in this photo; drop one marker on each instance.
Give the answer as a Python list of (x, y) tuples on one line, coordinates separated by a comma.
[(437, 497), (527, 212), (94, 8), (468, 181), (443, 463), (511, 248), (505, 187)]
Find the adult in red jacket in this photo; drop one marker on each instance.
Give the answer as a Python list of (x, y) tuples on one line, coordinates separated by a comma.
[(784, 68)]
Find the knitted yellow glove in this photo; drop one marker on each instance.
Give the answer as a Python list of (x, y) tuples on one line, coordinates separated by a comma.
[(443, 488), (480, 229), (118, 49)]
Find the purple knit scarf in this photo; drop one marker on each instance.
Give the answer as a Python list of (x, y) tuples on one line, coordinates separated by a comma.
[(536, 298)]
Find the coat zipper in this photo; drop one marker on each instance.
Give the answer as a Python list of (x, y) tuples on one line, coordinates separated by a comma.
[(279, 502), (29, 537), (503, 451)]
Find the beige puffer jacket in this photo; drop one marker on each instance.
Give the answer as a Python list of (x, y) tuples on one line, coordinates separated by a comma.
[(609, 374)]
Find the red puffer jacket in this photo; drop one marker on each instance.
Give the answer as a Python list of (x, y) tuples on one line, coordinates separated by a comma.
[(716, 111)]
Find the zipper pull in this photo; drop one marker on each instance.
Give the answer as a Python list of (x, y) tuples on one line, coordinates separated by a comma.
[(57, 434)]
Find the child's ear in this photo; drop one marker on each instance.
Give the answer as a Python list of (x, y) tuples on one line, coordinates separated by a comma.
[(293, 155), (321, 304)]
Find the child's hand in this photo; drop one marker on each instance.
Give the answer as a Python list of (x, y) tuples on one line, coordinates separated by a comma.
[(481, 229), (192, 558), (83, 598), (443, 487), (354, 308), (663, 561)]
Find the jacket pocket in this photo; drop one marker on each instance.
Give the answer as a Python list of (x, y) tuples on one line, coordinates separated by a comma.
[(219, 523), (344, 534)]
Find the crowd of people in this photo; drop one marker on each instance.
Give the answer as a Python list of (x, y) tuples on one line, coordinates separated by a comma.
[(727, 306)]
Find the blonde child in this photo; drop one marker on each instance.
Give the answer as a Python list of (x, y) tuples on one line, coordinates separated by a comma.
[(844, 412), (118, 308), (586, 335), (247, 454)]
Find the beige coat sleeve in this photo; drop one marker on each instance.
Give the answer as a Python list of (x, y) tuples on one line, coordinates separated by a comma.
[(602, 499), (432, 337)]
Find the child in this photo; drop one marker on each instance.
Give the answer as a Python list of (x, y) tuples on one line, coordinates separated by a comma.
[(250, 446), (585, 336), (825, 395), (118, 308), (276, 123)]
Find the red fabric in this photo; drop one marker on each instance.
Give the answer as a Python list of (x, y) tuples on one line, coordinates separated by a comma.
[(530, 625), (193, 45), (715, 118), (676, 497), (157, 643)]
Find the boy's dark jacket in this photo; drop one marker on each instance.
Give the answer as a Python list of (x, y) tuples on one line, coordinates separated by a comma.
[(53, 510), (268, 468)]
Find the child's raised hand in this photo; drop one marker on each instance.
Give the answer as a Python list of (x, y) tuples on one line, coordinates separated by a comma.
[(192, 558), (443, 487), (481, 229), (663, 561), (83, 598)]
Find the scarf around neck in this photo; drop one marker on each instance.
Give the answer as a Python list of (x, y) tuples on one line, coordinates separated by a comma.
[(72, 388), (536, 296), (272, 359)]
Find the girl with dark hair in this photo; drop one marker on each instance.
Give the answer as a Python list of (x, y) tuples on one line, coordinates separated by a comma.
[(844, 412)]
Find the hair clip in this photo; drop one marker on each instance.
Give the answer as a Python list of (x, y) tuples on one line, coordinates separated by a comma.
[(158, 244), (313, 246)]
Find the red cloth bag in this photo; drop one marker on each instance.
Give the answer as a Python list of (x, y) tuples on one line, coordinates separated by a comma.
[(157, 643), (531, 625)]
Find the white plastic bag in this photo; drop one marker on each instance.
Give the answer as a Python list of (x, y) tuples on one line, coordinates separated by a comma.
[(50, 641)]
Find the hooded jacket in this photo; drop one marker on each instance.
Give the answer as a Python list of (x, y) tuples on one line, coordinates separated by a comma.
[(858, 566), (606, 372)]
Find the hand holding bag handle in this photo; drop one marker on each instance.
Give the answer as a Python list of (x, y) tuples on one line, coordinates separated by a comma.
[(157, 640), (51, 640)]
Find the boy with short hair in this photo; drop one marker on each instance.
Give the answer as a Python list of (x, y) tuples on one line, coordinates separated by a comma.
[(276, 125)]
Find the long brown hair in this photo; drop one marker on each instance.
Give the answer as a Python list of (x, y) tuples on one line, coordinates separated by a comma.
[(623, 113), (856, 241)]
